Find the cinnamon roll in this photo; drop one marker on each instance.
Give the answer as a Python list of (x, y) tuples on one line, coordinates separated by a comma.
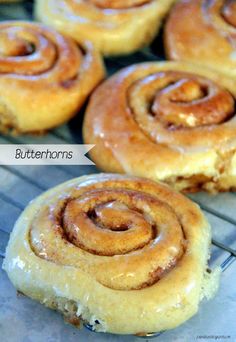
[(123, 254), (44, 76), (203, 32), (166, 121), (114, 27)]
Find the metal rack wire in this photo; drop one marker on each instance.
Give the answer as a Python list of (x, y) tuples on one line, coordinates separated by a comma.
[(23, 184)]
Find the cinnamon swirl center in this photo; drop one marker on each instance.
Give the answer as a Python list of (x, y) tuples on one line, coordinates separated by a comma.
[(179, 100), (126, 238)]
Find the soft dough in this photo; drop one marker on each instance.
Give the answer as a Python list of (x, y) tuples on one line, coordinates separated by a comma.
[(126, 255), (114, 27), (45, 77), (167, 121)]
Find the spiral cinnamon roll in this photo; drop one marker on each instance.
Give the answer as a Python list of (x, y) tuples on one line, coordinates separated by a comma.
[(114, 27), (44, 76), (125, 255), (166, 121), (208, 39)]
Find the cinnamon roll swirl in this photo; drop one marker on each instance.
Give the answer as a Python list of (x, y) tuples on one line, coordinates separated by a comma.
[(125, 255), (203, 32), (166, 121), (44, 76), (114, 27)]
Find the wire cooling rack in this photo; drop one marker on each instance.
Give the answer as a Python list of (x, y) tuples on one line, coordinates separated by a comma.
[(20, 184)]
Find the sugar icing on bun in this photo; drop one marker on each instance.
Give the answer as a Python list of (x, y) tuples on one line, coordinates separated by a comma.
[(45, 77), (168, 121), (203, 32), (114, 27), (125, 255)]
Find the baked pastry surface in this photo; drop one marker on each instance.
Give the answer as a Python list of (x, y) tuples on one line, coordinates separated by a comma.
[(126, 255), (114, 27), (44, 76), (203, 32), (167, 121)]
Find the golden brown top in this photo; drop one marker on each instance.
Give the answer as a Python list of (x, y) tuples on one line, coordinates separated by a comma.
[(39, 63), (30, 51), (203, 31), (164, 121), (157, 103), (114, 27)]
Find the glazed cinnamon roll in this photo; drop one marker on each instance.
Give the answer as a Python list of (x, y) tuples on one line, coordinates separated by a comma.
[(166, 121), (114, 27), (44, 76), (204, 32), (123, 254)]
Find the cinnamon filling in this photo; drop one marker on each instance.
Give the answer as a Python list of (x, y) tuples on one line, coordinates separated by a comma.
[(196, 183), (180, 100), (126, 238), (32, 50)]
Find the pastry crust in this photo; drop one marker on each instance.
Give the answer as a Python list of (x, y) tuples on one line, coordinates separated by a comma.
[(114, 27), (44, 77), (167, 121), (208, 39), (50, 258)]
